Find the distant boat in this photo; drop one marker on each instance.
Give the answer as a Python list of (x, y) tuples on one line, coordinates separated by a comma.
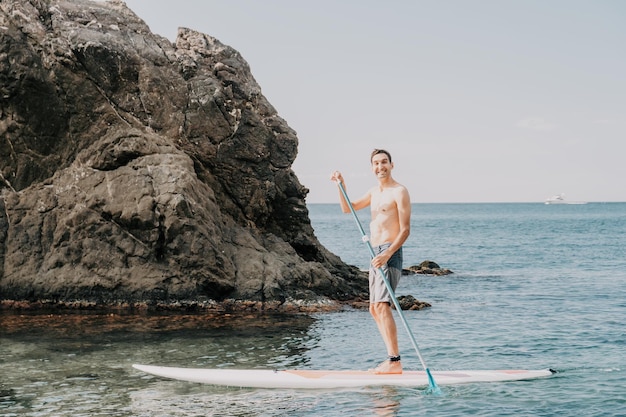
[(560, 199)]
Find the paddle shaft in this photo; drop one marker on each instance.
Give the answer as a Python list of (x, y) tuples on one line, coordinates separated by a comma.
[(387, 284)]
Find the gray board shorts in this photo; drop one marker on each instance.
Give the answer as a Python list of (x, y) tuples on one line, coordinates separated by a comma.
[(393, 272)]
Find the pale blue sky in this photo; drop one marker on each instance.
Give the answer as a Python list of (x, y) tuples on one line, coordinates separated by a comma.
[(477, 100)]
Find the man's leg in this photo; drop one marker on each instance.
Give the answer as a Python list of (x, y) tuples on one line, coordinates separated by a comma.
[(380, 309), (383, 317)]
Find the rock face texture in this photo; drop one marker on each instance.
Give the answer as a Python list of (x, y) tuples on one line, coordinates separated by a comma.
[(134, 169)]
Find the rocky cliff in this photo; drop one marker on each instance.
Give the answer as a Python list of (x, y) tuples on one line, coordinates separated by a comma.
[(133, 169)]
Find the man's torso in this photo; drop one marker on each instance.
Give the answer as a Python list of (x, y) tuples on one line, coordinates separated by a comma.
[(385, 223)]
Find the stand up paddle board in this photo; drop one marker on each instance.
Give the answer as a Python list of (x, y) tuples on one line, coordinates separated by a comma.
[(300, 379)]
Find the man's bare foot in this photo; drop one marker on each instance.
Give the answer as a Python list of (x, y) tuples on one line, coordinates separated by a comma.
[(387, 367)]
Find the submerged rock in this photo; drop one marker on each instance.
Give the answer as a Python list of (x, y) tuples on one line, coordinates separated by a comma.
[(134, 169)]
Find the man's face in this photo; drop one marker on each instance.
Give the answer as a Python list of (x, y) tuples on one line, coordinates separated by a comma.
[(381, 167)]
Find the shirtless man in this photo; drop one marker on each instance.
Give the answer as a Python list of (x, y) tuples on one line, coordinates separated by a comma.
[(389, 229)]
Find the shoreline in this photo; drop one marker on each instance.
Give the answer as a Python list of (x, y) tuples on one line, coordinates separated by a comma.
[(80, 318), (207, 307)]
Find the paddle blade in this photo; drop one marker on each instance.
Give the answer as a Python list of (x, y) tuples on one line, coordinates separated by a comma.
[(432, 385)]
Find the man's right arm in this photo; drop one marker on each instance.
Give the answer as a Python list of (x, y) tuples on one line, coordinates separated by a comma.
[(356, 204)]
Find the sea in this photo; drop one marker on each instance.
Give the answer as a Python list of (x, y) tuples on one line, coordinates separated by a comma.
[(534, 286)]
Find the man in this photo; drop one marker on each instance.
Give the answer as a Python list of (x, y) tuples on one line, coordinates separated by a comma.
[(389, 229)]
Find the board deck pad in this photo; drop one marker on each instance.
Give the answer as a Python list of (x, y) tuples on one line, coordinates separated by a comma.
[(318, 379)]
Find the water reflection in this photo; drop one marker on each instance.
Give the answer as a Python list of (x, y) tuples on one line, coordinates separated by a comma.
[(386, 402), (184, 399)]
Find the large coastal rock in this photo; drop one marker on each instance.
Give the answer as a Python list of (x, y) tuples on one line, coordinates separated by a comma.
[(134, 169)]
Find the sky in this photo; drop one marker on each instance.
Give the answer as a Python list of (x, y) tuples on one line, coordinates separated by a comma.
[(477, 100)]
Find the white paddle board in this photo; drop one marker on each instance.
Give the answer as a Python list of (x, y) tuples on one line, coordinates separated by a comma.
[(299, 379)]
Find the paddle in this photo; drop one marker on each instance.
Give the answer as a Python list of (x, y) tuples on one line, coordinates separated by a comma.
[(432, 386)]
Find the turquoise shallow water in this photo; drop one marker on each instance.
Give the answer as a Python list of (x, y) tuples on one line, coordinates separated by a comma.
[(535, 286)]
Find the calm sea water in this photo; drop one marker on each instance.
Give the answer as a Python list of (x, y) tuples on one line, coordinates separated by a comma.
[(535, 286)]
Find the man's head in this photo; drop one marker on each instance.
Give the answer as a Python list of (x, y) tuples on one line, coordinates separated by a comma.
[(381, 163), (378, 152)]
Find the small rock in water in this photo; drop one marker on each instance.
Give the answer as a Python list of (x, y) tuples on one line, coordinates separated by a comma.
[(426, 268), (408, 302)]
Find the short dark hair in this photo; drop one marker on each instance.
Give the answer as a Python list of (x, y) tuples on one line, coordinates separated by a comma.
[(379, 151)]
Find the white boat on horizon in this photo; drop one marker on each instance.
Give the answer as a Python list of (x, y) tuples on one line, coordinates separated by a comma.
[(560, 199)]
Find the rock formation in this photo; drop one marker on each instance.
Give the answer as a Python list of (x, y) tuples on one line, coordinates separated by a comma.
[(133, 169)]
